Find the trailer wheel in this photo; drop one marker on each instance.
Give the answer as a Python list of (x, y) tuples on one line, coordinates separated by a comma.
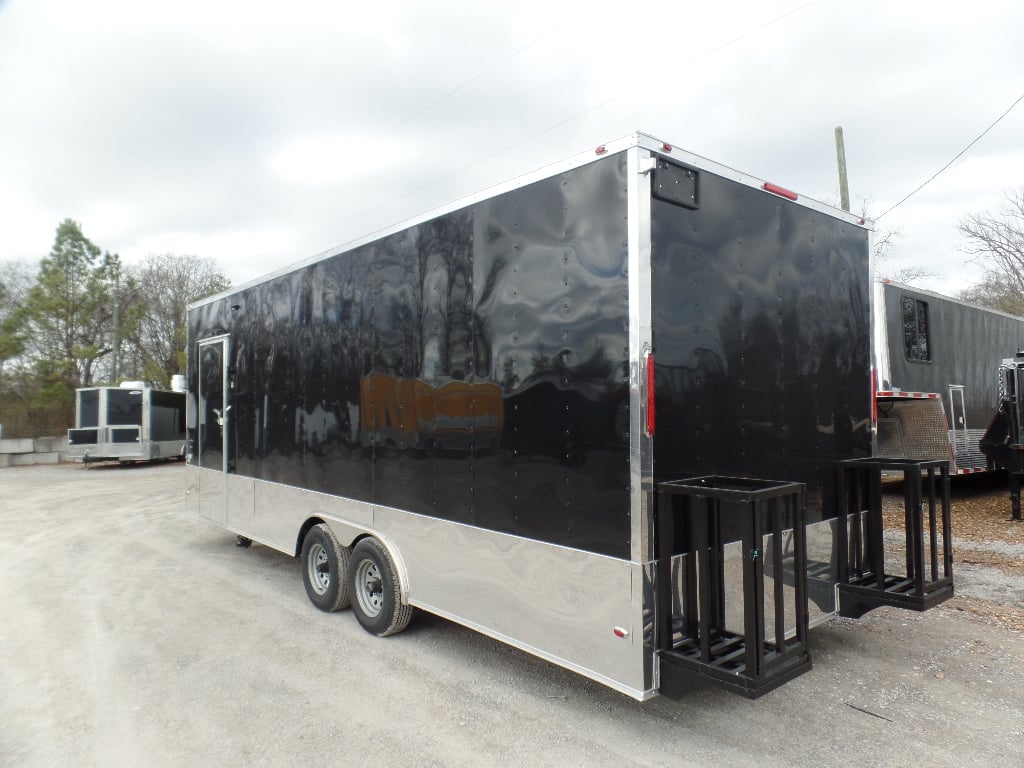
[(377, 594), (325, 569)]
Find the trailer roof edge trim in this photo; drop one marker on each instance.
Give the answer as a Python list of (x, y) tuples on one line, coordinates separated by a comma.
[(944, 297), (637, 139)]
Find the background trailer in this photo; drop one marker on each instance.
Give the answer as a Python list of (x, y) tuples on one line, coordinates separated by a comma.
[(935, 358), (132, 422), (465, 415), (1003, 441)]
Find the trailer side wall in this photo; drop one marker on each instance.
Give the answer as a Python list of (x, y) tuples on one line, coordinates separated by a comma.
[(472, 368)]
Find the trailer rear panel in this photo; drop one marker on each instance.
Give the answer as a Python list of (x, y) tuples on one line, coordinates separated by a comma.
[(760, 318)]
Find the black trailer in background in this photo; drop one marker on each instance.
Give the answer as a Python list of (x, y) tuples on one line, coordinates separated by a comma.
[(599, 413), (935, 361)]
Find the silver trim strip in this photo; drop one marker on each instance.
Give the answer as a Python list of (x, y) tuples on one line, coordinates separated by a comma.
[(641, 445), (880, 338), (640, 163)]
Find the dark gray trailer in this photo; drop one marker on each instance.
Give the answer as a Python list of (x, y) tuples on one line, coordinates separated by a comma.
[(597, 413), (934, 359), (129, 423)]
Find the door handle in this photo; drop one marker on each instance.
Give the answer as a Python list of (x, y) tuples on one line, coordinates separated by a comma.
[(221, 415)]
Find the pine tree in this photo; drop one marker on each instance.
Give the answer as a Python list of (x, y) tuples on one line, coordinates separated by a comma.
[(70, 309)]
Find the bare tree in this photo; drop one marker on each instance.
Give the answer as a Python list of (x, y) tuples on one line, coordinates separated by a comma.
[(886, 265), (155, 295), (994, 291), (997, 242)]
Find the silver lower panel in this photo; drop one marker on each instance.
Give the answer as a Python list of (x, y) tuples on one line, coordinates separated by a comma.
[(145, 450), (564, 605)]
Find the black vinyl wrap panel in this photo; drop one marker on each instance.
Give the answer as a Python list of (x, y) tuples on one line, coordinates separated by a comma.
[(473, 367), (760, 314), (966, 345)]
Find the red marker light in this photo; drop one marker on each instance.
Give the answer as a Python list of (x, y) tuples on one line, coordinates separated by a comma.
[(874, 397), (650, 394), (775, 189), (601, 150), (666, 147)]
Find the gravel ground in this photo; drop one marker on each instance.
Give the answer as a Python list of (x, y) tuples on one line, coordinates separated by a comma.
[(136, 635), (988, 547)]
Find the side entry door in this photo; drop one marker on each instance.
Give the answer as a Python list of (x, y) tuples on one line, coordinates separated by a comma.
[(214, 411)]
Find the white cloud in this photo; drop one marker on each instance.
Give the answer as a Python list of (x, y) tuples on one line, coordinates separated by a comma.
[(246, 132), (329, 159)]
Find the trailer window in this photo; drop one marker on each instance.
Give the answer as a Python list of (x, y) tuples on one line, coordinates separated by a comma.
[(124, 406), (915, 329), (88, 408)]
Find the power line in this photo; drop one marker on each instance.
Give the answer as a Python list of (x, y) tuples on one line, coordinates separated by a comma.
[(438, 179), (765, 25), (531, 137), (402, 122), (462, 86), (957, 157)]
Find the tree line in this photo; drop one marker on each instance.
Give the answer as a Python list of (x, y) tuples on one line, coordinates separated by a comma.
[(81, 318), (997, 242)]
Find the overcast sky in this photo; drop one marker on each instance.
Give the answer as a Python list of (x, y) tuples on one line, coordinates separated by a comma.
[(259, 134)]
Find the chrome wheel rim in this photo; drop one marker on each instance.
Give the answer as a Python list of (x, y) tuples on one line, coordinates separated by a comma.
[(369, 588), (319, 569)]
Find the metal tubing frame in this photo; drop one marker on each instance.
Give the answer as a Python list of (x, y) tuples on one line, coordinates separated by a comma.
[(699, 509), (859, 481)]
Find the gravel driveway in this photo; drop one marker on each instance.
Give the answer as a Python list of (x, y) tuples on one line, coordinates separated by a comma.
[(135, 635)]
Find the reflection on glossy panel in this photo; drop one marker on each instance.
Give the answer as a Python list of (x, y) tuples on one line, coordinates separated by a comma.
[(473, 367), (761, 337)]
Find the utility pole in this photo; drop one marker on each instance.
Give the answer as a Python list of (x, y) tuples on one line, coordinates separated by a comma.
[(844, 189), (117, 322)]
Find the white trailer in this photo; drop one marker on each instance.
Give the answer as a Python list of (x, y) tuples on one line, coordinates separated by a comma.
[(129, 423)]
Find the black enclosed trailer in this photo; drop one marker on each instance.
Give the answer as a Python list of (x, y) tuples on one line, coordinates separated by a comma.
[(128, 423), (579, 413), (934, 357)]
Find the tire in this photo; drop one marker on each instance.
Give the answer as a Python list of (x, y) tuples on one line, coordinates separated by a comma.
[(325, 569), (376, 591)]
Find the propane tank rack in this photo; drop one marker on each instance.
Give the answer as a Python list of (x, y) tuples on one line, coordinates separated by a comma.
[(698, 517), (865, 580)]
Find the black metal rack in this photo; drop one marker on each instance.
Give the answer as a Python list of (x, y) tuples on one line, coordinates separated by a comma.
[(865, 580), (698, 517)]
